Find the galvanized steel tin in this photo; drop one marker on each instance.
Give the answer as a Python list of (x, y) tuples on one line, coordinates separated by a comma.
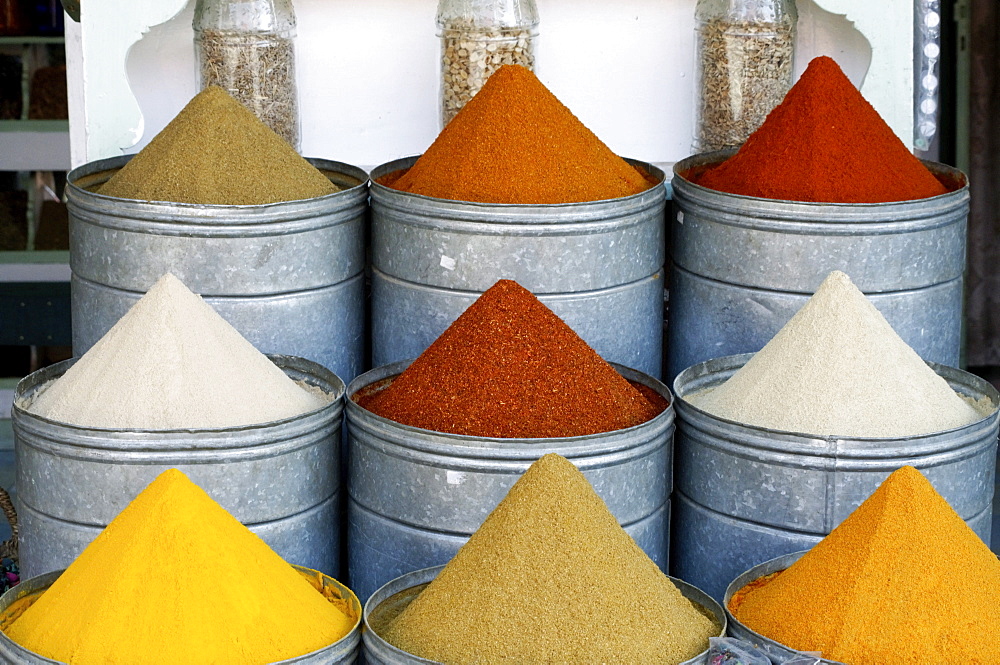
[(415, 496), (745, 494), (342, 652), (744, 265), (281, 479), (289, 276), (598, 265), (739, 631), (396, 594)]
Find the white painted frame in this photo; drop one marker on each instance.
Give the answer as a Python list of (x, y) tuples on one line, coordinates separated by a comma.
[(368, 72)]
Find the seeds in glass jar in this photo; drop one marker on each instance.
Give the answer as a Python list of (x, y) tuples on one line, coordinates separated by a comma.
[(470, 55), (746, 69), (259, 71)]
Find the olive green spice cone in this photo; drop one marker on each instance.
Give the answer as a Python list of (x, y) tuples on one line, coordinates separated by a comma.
[(216, 152), (550, 577)]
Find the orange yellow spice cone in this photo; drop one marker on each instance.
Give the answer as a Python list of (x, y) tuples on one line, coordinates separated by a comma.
[(514, 142), (217, 152), (902, 580), (176, 579)]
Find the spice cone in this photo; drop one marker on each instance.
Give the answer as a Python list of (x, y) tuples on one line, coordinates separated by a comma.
[(902, 580), (217, 152), (509, 367), (514, 142), (176, 579), (172, 362), (824, 143), (837, 368), (550, 577)]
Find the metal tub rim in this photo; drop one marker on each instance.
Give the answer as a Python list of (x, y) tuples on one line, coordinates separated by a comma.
[(241, 298), (545, 297), (220, 438), (474, 447), (306, 513), (821, 217), (347, 647), (740, 631), (711, 373), (802, 290), (373, 640), (679, 498), (353, 183), (503, 216)]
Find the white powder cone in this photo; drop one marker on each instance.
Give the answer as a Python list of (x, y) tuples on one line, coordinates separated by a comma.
[(838, 368), (172, 363)]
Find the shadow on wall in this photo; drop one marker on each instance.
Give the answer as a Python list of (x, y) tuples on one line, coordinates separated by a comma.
[(824, 33)]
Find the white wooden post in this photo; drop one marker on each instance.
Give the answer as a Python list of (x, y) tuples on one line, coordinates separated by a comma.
[(368, 72), (104, 116)]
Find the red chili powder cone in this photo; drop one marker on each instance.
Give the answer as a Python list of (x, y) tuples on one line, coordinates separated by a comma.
[(514, 142), (509, 367), (824, 143)]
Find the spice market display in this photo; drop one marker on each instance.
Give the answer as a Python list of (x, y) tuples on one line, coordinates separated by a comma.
[(217, 152), (510, 395), (807, 149)]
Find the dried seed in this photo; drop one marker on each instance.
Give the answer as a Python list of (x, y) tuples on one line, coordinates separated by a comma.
[(470, 54), (259, 71), (745, 69)]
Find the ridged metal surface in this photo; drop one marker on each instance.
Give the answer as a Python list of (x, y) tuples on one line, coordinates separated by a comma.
[(281, 479), (745, 265), (739, 631), (288, 276), (342, 652), (745, 494), (415, 496), (379, 652), (598, 265)]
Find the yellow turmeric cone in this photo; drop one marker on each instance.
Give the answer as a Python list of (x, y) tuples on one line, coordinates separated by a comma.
[(176, 579)]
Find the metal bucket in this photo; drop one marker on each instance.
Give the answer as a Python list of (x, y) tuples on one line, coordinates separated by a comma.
[(342, 652), (742, 266), (289, 276), (392, 598), (739, 631), (745, 494), (598, 265), (415, 496), (281, 479)]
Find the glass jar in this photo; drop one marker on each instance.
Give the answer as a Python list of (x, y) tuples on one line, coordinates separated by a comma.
[(247, 47), (744, 67), (477, 38)]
